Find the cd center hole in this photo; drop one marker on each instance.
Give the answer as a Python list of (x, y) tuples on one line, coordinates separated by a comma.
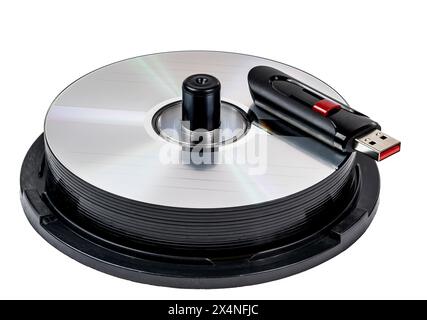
[(201, 80)]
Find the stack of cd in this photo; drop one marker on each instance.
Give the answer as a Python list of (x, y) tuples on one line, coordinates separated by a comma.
[(121, 180)]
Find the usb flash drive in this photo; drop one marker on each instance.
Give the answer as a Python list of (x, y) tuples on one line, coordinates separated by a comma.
[(318, 115)]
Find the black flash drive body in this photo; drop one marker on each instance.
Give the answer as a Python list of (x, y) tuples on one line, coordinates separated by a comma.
[(319, 116)]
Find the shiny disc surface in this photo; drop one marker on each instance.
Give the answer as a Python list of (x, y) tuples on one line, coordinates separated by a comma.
[(100, 129)]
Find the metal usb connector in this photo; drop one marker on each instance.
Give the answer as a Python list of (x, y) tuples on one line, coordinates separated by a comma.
[(377, 145)]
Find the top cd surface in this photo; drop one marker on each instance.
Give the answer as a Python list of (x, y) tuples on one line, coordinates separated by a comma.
[(101, 129)]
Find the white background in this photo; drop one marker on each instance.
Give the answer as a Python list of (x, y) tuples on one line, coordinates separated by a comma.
[(373, 52)]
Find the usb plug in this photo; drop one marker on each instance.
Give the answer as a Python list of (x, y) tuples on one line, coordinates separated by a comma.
[(377, 145)]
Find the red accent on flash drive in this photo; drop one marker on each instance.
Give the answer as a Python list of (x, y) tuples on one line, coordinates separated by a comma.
[(325, 107), (389, 152)]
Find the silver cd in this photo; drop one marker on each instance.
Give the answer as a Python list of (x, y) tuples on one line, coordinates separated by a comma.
[(101, 129)]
